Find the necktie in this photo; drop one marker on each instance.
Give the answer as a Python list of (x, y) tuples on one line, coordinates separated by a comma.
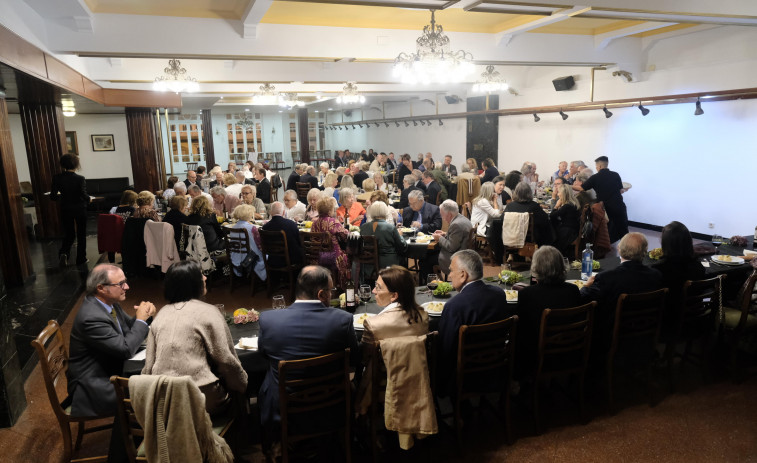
[(113, 316)]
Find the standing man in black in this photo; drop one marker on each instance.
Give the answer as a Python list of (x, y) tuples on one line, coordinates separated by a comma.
[(263, 186), (405, 168), (71, 188), (607, 185)]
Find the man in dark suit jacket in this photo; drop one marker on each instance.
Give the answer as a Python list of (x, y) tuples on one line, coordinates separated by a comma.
[(630, 277), (294, 177), (448, 167), (307, 328), (432, 188), (420, 214), (408, 188), (191, 178), (340, 160), (100, 344), (309, 177), (359, 174), (217, 182), (476, 303), (278, 223), (391, 163), (262, 185), (405, 168)]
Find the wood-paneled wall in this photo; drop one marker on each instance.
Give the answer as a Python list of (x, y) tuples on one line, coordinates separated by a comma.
[(14, 254), (144, 143), (207, 139), (45, 139), (302, 134)]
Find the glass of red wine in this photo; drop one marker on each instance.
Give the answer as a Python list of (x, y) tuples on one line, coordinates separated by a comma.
[(717, 240), (432, 281), (364, 293)]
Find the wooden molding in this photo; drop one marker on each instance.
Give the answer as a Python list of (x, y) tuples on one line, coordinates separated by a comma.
[(140, 98)]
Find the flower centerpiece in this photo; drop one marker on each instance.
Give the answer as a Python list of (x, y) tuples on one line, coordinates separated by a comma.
[(243, 316), (739, 241)]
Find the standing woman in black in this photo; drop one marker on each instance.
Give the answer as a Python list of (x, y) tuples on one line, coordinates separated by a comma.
[(72, 190)]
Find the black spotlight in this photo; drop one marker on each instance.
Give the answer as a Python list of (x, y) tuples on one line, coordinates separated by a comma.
[(607, 112), (353, 126), (406, 124), (440, 122), (536, 118), (428, 122), (347, 128), (423, 122), (397, 124), (563, 115), (415, 123), (698, 111), (644, 111), (361, 125), (340, 127)]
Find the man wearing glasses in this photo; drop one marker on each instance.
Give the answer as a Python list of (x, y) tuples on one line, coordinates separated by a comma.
[(103, 336)]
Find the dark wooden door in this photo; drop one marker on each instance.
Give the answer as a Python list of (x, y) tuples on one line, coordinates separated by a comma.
[(482, 131)]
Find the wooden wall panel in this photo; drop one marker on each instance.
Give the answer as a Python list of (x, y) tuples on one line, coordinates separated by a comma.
[(302, 134), (20, 54), (45, 139), (92, 91), (14, 254), (140, 98), (60, 74), (144, 145), (207, 139)]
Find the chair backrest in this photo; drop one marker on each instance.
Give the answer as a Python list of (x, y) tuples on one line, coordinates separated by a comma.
[(472, 237), (303, 189), (369, 254), (638, 318), (53, 362), (238, 241), (746, 300), (467, 210), (312, 386), (192, 166), (130, 427), (313, 244), (700, 305), (565, 340), (279, 157), (581, 239), (274, 243), (485, 351)]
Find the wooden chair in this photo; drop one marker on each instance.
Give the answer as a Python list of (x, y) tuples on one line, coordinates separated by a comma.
[(518, 251), (740, 320), (466, 210), (275, 244), (485, 357), (192, 166), (53, 362), (313, 244), (580, 242), (303, 189), (220, 261), (481, 245), (636, 330), (378, 384), (311, 388), (238, 241), (368, 255), (131, 431), (696, 322), (296, 159), (278, 160), (564, 344), (275, 191)]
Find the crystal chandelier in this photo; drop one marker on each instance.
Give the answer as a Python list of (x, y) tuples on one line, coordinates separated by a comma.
[(289, 101), (267, 96), (245, 122), (490, 81), (350, 95), (433, 61), (175, 79)]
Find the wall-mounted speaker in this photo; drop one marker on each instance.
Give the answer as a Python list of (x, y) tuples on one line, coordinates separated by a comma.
[(564, 83)]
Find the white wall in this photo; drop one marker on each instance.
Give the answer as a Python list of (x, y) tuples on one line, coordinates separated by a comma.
[(102, 164), (19, 147)]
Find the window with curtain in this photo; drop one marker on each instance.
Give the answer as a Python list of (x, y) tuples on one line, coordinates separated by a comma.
[(185, 137)]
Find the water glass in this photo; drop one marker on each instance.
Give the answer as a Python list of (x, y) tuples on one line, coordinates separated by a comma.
[(278, 302), (566, 261), (221, 309)]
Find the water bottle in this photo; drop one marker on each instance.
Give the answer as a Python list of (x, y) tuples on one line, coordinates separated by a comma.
[(587, 262)]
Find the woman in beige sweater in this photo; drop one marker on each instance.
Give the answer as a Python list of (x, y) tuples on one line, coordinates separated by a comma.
[(190, 338)]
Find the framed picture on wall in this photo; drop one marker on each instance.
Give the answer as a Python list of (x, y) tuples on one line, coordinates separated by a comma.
[(103, 143), (72, 147)]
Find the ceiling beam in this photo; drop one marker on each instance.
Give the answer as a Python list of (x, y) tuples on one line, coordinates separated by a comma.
[(602, 40), (253, 14), (504, 37)]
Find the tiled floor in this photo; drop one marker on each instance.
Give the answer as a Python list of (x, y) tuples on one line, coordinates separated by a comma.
[(713, 422)]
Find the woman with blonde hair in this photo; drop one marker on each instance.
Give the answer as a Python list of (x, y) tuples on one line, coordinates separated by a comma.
[(390, 244), (202, 213), (472, 165), (378, 179), (565, 219), (327, 222), (242, 264), (312, 210), (369, 186), (330, 182), (146, 207), (485, 208), (232, 186)]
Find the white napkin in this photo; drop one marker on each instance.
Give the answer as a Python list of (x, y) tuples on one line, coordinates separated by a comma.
[(747, 252), (248, 343), (139, 355)]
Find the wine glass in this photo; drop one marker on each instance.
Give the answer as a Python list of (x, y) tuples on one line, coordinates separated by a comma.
[(566, 262), (432, 281), (278, 302), (717, 240), (221, 309), (364, 293)]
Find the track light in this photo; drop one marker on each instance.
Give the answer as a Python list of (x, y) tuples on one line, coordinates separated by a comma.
[(607, 112), (536, 118), (415, 123), (698, 111), (361, 125), (423, 122), (386, 124), (340, 127), (353, 126), (397, 124), (428, 122), (644, 111), (406, 124), (563, 115), (440, 122)]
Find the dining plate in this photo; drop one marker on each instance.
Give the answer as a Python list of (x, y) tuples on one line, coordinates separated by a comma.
[(359, 318), (727, 260), (434, 308), (512, 296), (579, 283)]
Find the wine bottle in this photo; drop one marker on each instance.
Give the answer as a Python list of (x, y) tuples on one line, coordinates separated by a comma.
[(349, 292)]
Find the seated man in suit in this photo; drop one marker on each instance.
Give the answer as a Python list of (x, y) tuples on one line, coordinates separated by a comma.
[(421, 215), (448, 167), (294, 177), (262, 184), (455, 238), (309, 177), (433, 189), (103, 336), (407, 182), (191, 178), (630, 277), (279, 223), (476, 303), (218, 180), (307, 328), (419, 180), (360, 172)]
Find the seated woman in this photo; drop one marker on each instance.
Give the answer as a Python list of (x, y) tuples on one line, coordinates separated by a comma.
[(350, 211), (678, 264), (191, 338), (243, 263), (177, 216), (490, 171), (202, 214), (369, 186), (248, 197), (523, 201), (326, 222), (512, 179), (485, 208), (472, 165), (378, 179), (127, 205), (169, 192), (146, 207), (330, 183), (551, 292), (311, 212), (390, 244), (565, 219), (392, 216), (401, 316)]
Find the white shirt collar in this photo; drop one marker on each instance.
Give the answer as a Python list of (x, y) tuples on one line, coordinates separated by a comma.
[(390, 307), (308, 301)]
